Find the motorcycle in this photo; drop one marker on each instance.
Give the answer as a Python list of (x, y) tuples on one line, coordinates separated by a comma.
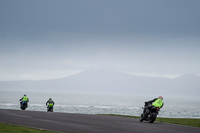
[(150, 114), (23, 105), (49, 108)]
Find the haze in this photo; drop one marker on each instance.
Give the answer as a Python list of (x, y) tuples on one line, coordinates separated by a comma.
[(53, 39)]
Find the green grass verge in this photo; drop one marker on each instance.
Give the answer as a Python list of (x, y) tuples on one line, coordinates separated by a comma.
[(9, 128), (181, 121)]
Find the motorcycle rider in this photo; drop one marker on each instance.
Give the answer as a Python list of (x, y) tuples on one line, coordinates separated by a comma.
[(24, 99), (50, 103), (157, 102)]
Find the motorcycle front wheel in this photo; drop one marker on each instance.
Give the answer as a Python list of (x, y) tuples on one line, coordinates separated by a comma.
[(141, 117)]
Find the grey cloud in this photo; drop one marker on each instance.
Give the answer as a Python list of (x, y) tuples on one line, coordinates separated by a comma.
[(146, 37), (153, 17)]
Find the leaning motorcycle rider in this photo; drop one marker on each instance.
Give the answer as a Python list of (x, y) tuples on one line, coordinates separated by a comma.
[(157, 102), (50, 103), (24, 99)]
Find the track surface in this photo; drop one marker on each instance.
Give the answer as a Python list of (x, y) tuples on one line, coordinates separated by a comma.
[(84, 123)]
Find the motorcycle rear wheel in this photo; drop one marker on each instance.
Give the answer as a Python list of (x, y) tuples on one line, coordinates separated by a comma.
[(153, 117)]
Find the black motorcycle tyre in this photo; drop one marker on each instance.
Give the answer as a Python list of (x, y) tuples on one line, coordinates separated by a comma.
[(23, 106), (141, 117), (153, 117)]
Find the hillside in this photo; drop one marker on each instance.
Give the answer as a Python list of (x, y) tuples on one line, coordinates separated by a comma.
[(102, 81)]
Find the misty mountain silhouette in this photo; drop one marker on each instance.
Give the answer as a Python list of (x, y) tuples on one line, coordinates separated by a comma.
[(105, 81)]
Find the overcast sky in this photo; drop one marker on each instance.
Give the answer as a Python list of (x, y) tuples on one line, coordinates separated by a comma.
[(46, 39)]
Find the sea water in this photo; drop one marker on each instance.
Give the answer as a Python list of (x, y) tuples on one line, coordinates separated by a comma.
[(174, 107)]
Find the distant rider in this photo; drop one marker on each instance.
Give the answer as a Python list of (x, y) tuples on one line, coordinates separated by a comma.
[(157, 102), (24, 99), (50, 103)]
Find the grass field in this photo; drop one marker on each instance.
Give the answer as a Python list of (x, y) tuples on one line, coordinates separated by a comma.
[(8, 128)]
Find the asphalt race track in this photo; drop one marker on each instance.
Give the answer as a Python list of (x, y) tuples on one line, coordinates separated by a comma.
[(84, 123)]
